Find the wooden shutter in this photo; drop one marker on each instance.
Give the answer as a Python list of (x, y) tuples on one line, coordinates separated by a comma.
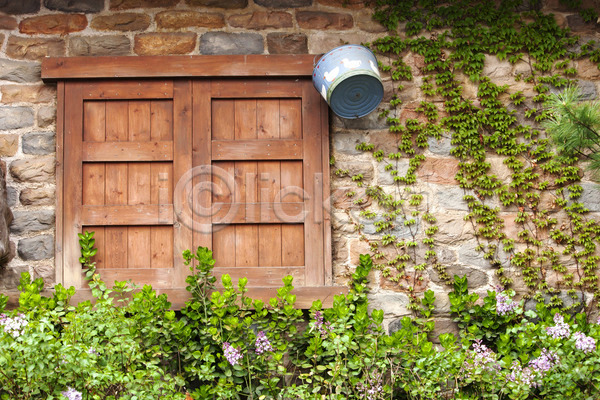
[(264, 143), (126, 143), (225, 152)]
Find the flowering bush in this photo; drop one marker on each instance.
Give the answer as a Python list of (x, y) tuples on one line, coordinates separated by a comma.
[(224, 345)]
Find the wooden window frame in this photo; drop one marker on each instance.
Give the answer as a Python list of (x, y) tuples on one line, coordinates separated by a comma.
[(64, 69)]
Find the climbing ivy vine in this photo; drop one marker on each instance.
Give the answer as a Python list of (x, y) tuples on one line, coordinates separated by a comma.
[(452, 39)]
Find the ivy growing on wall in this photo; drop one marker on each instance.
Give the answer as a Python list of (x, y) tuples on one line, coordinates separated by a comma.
[(453, 38)]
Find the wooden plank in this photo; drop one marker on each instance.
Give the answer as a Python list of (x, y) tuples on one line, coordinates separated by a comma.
[(261, 276), (137, 214), (117, 121), (246, 245), (269, 245), (139, 121), (313, 186), (254, 213), (290, 121), (116, 241), (116, 183), (245, 181), (178, 66), (59, 224), (267, 118), (292, 182), (183, 148), (223, 244), (128, 151), (161, 245), (94, 121), (327, 246), (244, 119), (93, 184), (269, 180), (138, 182), (161, 120), (201, 158), (223, 179), (161, 189), (73, 136), (158, 278), (239, 88), (222, 114), (275, 149), (123, 90), (138, 247), (292, 245)]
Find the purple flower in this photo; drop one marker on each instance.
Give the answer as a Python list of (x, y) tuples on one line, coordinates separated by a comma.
[(372, 388), (93, 351), (504, 304), (322, 327), (232, 354), (262, 343), (523, 376), (13, 326), (545, 361), (480, 358), (584, 343), (72, 394), (560, 329)]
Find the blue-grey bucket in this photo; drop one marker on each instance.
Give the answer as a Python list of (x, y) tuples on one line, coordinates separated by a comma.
[(348, 79)]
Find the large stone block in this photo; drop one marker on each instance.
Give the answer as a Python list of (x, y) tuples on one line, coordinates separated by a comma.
[(6, 217), (36, 248), (346, 143), (228, 4), (324, 20), (370, 121), (112, 45), (476, 278), (46, 116), (468, 255), (351, 4), (19, 71), (438, 170), (261, 20), (34, 48), (178, 19), (441, 147), (231, 43), (353, 168), (287, 43), (385, 177), (31, 221), (10, 277), (15, 117), (9, 144), (453, 228), (165, 43), (53, 24), (11, 196), (40, 169), (283, 3), (28, 93), (128, 4), (83, 6), (393, 304), (37, 196), (590, 196), (7, 22), (19, 6), (124, 22), (365, 22), (39, 143)]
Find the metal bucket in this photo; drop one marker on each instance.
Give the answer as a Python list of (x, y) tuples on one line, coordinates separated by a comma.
[(348, 79)]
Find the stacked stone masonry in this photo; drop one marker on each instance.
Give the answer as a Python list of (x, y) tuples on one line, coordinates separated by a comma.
[(33, 29)]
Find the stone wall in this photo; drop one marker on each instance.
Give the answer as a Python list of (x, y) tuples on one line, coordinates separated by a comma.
[(33, 29)]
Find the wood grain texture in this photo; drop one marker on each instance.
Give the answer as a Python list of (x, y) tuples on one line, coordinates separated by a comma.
[(130, 151), (54, 68), (59, 224), (276, 149), (125, 90), (140, 214)]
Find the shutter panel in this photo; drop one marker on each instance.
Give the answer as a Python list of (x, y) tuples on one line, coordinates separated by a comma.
[(121, 163), (260, 173)]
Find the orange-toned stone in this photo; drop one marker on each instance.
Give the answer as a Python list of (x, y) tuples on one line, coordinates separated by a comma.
[(27, 93), (34, 48), (121, 22), (7, 22), (60, 24), (352, 4), (128, 4), (185, 19), (262, 20), (165, 43)]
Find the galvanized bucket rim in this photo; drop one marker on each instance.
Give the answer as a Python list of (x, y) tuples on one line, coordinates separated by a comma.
[(323, 55)]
